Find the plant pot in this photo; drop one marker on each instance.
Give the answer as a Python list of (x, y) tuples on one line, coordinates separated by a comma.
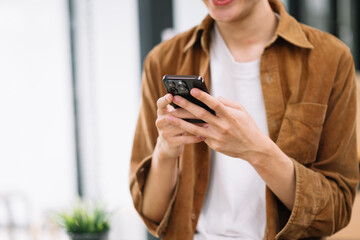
[(88, 236)]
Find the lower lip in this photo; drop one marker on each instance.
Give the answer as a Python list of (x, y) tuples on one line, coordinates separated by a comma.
[(221, 2)]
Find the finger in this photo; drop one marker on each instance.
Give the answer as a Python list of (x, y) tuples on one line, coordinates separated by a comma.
[(197, 111), (210, 101), (163, 124), (172, 132), (184, 139), (230, 103), (193, 129), (166, 129), (182, 113), (163, 102)]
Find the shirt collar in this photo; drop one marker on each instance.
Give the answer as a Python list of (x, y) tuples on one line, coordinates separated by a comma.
[(288, 29)]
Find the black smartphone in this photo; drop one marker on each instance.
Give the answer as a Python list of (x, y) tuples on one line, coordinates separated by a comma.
[(181, 85)]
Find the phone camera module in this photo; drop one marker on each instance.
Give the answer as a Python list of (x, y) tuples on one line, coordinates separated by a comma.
[(182, 87)]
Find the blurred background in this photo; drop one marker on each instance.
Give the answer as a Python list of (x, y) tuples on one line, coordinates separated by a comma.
[(69, 96)]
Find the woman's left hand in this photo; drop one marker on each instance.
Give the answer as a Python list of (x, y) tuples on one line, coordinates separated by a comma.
[(232, 131)]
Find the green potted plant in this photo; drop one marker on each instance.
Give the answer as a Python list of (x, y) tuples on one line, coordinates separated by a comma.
[(85, 221)]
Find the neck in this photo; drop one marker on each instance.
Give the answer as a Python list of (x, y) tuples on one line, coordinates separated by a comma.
[(247, 37)]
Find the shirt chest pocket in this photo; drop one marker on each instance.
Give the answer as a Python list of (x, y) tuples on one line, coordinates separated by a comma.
[(301, 130)]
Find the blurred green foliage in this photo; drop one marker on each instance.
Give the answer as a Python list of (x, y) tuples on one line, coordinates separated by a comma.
[(85, 218)]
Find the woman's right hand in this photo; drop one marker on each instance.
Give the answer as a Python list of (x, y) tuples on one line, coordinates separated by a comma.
[(171, 140)]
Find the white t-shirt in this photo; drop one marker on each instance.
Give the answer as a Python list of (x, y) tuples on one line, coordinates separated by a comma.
[(234, 206)]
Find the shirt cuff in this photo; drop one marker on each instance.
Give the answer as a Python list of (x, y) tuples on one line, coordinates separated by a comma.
[(308, 199), (156, 229)]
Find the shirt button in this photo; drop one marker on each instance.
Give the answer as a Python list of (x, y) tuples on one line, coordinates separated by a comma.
[(193, 216), (268, 78)]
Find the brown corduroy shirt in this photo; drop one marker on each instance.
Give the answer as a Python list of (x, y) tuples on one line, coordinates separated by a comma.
[(308, 83)]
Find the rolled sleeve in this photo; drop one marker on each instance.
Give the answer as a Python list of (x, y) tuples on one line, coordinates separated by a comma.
[(156, 229), (326, 188), (308, 200)]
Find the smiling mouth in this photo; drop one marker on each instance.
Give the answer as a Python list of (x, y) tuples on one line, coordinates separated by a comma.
[(221, 2)]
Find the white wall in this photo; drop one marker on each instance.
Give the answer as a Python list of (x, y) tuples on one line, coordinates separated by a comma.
[(117, 86), (36, 131), (109, 89), (188, 13)]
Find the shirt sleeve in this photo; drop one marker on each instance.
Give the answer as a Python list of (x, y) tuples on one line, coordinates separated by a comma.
[(144, 144), (325, 189)]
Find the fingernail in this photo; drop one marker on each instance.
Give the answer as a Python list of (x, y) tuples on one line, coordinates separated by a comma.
[(176, 99), (167, 97), (195, 92)]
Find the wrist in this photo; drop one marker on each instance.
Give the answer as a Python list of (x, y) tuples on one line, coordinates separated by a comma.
[(164, 167), (266, 153), (162, 157), (164, 152)]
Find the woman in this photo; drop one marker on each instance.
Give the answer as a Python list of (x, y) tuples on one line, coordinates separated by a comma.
[(282, 144)]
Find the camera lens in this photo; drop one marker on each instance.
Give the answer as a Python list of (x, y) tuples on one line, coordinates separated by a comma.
[(171, 84), (182, 87), (173, 91)]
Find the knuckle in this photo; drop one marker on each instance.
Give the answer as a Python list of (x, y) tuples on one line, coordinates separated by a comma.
[(225, 130), (159, 122), (159, 101), (202, 113), (216, 105)]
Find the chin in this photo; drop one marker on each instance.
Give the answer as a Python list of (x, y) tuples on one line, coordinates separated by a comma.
[(232, 11), (224, 16), (227, 13)]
